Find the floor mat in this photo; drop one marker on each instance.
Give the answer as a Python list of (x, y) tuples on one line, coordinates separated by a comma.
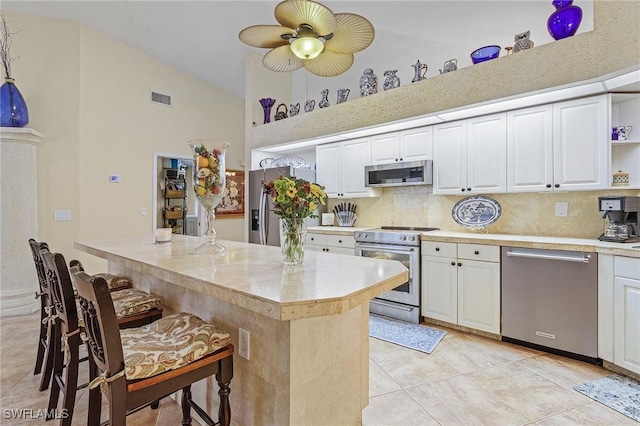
[(617, 392), (413, 336)]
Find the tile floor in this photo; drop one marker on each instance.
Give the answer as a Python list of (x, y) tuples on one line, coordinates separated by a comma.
[(466, 380)]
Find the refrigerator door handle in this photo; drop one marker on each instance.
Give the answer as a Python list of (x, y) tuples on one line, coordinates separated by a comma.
[(262, 218)]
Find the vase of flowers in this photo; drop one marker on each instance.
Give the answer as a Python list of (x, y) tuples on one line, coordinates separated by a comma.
[(294, 200), (13, 108), (209, 178)]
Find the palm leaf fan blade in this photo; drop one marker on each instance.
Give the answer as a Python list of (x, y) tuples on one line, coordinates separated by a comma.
[(282, 59), (293, 13), (353, 33), (329, 64), (267, 36)]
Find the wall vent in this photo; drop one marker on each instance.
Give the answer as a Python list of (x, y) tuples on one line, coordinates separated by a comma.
[(159, 98)]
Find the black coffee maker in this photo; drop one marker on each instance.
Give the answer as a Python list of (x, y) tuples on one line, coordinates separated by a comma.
[(622, 213)]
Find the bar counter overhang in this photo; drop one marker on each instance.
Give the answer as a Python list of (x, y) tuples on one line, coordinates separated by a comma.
[(308, 324)]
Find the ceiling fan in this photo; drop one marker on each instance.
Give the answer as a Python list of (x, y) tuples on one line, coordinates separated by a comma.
[(310, 36)]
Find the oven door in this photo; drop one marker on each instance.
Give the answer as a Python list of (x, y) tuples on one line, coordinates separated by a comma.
[(409, 292)]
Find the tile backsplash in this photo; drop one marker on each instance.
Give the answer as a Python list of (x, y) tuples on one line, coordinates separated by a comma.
[(522, 213)]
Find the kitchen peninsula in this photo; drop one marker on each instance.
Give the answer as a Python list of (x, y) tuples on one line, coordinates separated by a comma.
[(308, 353)]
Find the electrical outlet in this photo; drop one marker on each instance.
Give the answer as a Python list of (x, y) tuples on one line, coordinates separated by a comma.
[(244, 343), (143, 211), (562, 209)]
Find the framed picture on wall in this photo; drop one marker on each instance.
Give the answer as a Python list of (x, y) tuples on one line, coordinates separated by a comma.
[(232, 204)]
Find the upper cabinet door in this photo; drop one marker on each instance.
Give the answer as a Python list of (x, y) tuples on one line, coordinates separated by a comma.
[(355, 155), (416, 144), (580, 138), (487, 154), (450, 158), (530, 149), (328, 166), (385, 148)]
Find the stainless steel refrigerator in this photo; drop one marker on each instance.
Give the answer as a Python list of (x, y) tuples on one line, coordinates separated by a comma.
[(263, 223)]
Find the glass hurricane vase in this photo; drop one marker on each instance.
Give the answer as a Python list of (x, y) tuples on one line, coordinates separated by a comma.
[(292, 235), (209, 180)]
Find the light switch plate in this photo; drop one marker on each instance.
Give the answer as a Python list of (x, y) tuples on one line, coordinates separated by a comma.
[(562, 209), (62, 215)]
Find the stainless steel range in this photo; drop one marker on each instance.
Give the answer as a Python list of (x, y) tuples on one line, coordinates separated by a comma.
[(402, 244)]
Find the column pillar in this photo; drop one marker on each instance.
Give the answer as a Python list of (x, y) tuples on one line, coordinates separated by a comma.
[(18, 220)]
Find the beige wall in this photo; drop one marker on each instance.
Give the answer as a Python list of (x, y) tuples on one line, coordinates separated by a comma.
[(88, 94)]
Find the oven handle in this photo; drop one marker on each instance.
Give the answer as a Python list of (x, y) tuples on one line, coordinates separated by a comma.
[(385, 247), (389, 305)]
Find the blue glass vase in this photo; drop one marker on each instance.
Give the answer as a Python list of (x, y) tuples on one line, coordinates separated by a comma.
[(564, 22), (13, 108), (267, 103)]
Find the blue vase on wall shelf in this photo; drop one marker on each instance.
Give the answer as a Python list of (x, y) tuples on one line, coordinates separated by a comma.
[(564, 22), (267, 104), (13, 108)]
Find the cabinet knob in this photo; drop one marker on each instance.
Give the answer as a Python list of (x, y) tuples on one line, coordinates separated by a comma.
[(557, 185), (459, 264), (401, 159), (340, 241), (396, 159), (548, 185), (453, 263), (476, 252), (437, 248), (469, 189), (312, 239), (463, 189)]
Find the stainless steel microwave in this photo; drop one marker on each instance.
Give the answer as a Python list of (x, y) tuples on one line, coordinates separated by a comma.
[(400, 174)]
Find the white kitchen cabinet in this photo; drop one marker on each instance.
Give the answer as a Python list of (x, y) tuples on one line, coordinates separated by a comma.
[(627, 313), (530, 149), (470, 156), (461, 284), (625, 154), (340, 168), (340, 244), (408, 145), (558, 147), (580, 144)]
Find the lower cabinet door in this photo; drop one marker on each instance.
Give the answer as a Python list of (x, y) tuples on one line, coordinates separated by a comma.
[(479, 295), (439, 288), (627, 323)]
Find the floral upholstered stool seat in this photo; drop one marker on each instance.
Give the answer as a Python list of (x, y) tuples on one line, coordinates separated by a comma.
[(169, 343), (129, 302)]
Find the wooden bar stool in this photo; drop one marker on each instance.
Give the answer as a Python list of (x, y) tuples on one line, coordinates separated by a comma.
[(65, 343), (135, 367), (45, 313)]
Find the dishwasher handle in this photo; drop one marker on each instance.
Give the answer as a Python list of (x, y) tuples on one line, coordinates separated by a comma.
[(550, 255)]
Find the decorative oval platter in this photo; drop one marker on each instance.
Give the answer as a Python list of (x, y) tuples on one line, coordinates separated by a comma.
[(477, 211), (295, 162)]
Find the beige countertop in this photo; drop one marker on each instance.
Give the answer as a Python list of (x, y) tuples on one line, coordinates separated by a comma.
[(528, 241), (253, 276)]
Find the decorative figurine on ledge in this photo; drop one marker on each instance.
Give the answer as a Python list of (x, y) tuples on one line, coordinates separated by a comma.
[(392, 81), (368, 83), (419, 71)]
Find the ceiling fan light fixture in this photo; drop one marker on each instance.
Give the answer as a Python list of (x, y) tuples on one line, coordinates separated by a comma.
[(307, 47)]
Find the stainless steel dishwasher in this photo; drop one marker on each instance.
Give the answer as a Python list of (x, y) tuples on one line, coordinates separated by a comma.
[(550, 301)]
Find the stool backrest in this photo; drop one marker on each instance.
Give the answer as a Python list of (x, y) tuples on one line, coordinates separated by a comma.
[(37, 259), (100, 322), (61, 289)]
